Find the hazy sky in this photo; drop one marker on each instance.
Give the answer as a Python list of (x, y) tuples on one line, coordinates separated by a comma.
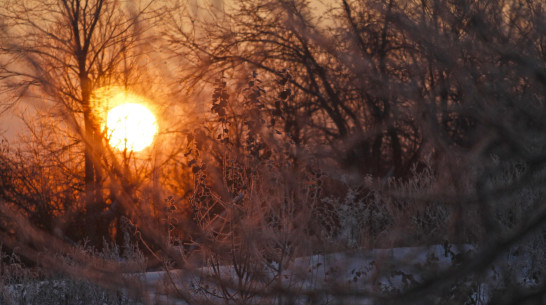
[(10, 123)]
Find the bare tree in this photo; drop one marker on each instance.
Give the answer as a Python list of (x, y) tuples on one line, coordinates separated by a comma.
[(340, 75), (63, 51), (392, 88), (409, 125)]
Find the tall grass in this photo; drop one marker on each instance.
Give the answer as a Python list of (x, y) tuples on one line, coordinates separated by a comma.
[(384, 153)]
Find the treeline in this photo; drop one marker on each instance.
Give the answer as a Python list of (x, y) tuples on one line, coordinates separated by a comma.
[(284, 132)]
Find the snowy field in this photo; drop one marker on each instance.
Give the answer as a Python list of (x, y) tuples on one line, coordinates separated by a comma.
[(356, 276)]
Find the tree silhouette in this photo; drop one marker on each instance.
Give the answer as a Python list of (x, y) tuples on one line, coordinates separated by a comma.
[(340, 77), (63, 51), (318, 141)]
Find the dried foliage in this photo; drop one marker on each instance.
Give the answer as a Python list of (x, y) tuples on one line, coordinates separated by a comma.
[(385, 152)]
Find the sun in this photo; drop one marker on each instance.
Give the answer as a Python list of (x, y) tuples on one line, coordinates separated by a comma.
[(130, 126)]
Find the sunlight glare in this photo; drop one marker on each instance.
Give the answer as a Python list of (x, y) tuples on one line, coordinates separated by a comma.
[(130, 126)]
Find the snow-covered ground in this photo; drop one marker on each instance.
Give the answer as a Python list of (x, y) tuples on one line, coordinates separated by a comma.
[(359, 273)]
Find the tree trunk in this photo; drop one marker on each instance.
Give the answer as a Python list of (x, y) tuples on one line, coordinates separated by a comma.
[(95, 228)]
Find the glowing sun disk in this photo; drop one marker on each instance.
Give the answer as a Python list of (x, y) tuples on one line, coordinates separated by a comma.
[(130, 126)]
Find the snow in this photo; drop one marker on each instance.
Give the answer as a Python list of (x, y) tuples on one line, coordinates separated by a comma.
[(361, 272)]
